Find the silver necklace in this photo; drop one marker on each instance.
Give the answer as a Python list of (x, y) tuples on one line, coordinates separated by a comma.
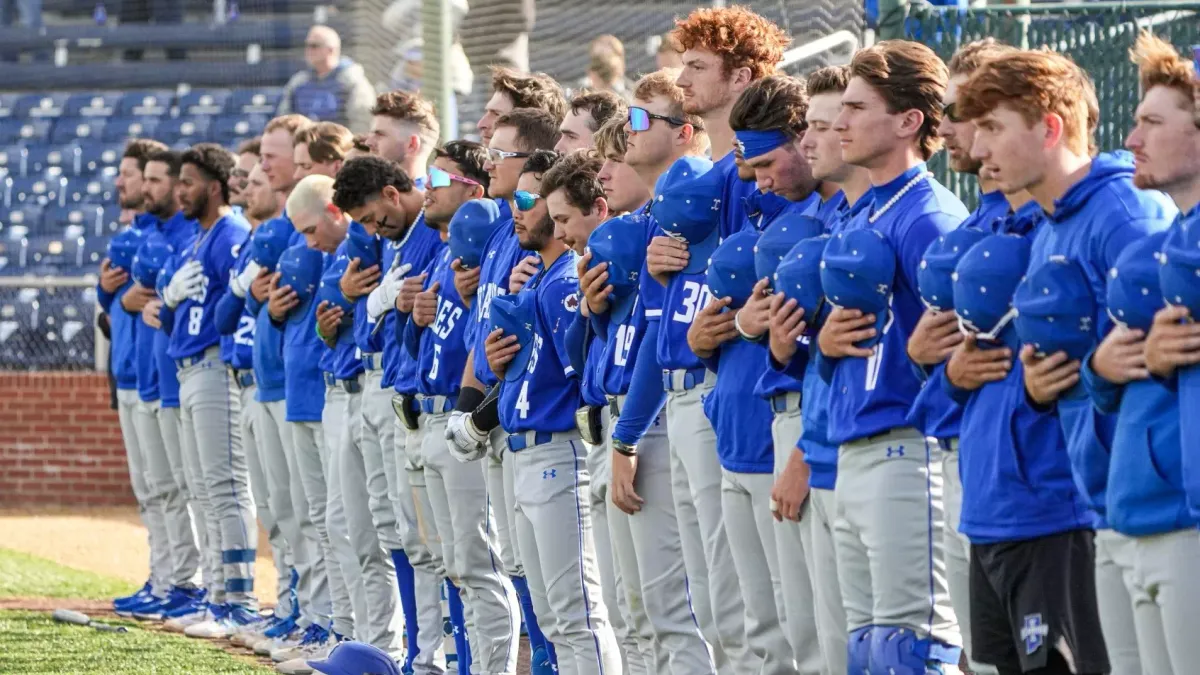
[(896, 197)]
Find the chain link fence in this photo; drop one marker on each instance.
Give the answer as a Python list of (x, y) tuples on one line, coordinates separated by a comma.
[(49, 324)]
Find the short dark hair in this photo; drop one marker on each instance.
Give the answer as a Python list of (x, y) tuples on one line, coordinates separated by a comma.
[(971, 56), (541, 161), (600, 104), (360, 143), (536, 128), (537, 90), (252, 146), (575, 174), (828, 80), (141, 149), (214, 161), (469, 157), (326, 141), (773, 103), (171, 158), (362, 178), (409, 107)]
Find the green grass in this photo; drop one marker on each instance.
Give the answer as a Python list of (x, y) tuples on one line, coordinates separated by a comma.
[(27, 576)]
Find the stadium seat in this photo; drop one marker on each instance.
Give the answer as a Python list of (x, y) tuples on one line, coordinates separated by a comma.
[(46, 105), (40, 190), (98, 189), (121, 129), (38, 158), (148, 103), (94, 250), (19, 222), (229, 129), (68, 129), (19, 130), (94, 156), (92, 104), (12, 160), (254, 101), (74, 220), (188, 130), (46, 251), (8, 104), (66, 330), (204, 102), (110, 222)]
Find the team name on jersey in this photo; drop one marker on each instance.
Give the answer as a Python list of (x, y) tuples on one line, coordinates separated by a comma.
[(484, 296), (448, 315)]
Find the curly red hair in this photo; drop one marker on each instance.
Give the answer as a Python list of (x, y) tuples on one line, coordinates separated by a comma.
[(740, 37)]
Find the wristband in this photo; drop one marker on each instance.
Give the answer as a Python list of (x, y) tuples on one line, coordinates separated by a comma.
[(469, 399), (624, 449), (737, 323)]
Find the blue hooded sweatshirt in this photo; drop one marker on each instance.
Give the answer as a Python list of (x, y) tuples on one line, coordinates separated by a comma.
[(1092, 223)]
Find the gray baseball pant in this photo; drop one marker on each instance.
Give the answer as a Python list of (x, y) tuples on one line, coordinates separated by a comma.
[(281, 553), (283, 475), (210, 554), (499, 477), (554, 528), (210, 409), (378, 447), (958, 554), (1165, 568), (415, 523), (818, 516), (1123, 624), (382, 623), (168, 427), (164, 497), (649, 558), (152, 518), (889, 535), (716, 593), (334, 426), (798, 602)]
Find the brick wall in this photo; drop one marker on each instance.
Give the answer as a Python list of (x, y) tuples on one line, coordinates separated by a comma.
[(60, 443)]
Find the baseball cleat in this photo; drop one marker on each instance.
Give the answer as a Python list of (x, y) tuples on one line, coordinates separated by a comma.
[(178, 597), (136, 598), (194, 614), (285, 633), (314, 635), (149, 603), (226, 620)]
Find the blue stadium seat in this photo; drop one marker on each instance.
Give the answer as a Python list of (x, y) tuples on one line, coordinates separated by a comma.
[(68, 129), (38, 158), (229, 129), (148, 103), (183, 130), (66, 330), (255, 101), (47, 251), (121, 129), (99, 189), (8, 104), (20, 221), (46, 105), (110, 220), (75, 220), (19, 130), (92, 104), (40, 190), (204, 102), (12, 160), (94, 156)]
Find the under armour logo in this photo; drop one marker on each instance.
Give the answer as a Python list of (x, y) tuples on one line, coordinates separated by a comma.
[(1033, 632), (549, 473), (897, 451)]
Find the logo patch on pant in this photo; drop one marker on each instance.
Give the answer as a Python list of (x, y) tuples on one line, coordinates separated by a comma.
[(1033, 632), (897, 451), (549, 473)]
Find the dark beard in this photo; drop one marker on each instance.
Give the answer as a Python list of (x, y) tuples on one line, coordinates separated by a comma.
[(198, 208), (540, 235)]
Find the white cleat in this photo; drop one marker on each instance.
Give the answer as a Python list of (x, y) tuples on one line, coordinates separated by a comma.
[(181, 623), (299, 665), (268, 646)]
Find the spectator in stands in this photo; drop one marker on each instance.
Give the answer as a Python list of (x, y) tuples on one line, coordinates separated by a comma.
[(606, 66), (333, 89), (590, 110), (25, 13), (277, 151), (247, 154), (321, 149), (511, 89), (670, 52)]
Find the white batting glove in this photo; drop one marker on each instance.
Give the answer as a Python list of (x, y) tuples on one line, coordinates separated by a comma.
[(240, 283), (465, 442), (384, 296), (186, 282)]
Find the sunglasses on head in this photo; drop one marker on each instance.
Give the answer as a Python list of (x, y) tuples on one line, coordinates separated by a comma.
[(640, 118), (497, 156), (525, 200), (439, 179), (950, 112)]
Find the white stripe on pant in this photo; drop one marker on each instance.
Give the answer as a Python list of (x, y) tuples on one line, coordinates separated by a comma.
[(150, 512), (281, 553)]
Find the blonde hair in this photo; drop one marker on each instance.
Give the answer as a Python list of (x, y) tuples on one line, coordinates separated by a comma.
[(311, 196)]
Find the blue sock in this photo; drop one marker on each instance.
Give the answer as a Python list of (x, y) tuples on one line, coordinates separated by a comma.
[(461, 644), (408, 604), (537, 639)]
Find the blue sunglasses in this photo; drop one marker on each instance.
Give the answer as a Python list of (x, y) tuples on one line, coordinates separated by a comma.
[(640, 118), (525, 200)]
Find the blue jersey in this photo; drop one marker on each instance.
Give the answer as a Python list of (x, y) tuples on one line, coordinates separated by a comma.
[(236, 322), (217, 249), (504, 252), (180, 233), (873, 395), (418, 247), (826, 210), (741, 419), (442, 349), (344, 360), (1092, 223), (302, 351), (546, 395)]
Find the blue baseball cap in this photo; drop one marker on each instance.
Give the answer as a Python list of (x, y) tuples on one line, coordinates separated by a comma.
[(362, 245), (356, 658), (731, 270), (938, 263), (470, 228), (620, 242), (300, 267), (329, 289), (763, 207), (269, 242), (124, 246), (1179, 276), (857, 272), (984, 283), (781, 237), (515, 315), (1055, 309), (798, 278), (688, 207), (150, 258), (1134, 293)]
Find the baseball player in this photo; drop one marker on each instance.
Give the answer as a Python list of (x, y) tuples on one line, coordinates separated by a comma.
[(511, 90), (889, 500), (209, 409), (538, 396), (623, 188), (589, 110), (1078, 193)]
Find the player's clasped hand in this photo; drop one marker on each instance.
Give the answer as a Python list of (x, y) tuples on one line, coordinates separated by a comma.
[(791, 489), (111, 278), (786, 325), (356, 282), (1172, 342), (425, 305), (934, 338), (594, 284), (187, 282), (280, 299), (136, 298), (1047, 378), (624, 475), (843, 330), (1121, 356), (260, 288), (522, 273), (712, 328), (970, 367), (666, 256), (408, 292), (150, 313), (754, 318), (500, 350), (329, 318), (466, 281)]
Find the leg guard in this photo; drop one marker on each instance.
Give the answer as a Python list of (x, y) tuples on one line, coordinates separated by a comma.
[(858, 651), (899, 651)]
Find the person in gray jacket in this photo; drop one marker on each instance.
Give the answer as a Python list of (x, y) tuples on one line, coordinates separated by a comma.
[(333, 89)]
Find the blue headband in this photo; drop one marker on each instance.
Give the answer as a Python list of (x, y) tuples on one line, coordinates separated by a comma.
[(758, 143)]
